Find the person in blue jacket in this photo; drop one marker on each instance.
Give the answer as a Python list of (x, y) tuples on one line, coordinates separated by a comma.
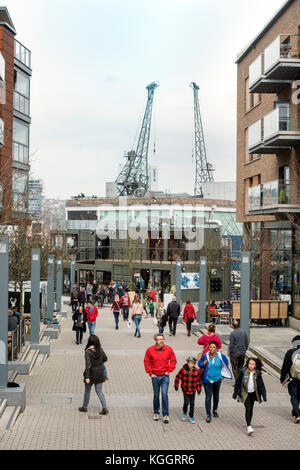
[(216, 369)]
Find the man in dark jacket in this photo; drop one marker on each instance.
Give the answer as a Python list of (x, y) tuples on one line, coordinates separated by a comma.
[(238, 345), (173, 312), (289, 373)]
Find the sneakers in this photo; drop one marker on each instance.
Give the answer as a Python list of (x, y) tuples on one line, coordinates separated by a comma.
[(296, 419), (183, 417), (192, 420), (250, 430), (208, 419), (156, 417), (166, 419), (215, 414), (82, 409)]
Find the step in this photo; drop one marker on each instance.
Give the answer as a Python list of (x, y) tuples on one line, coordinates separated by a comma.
[(2, 406), (34, 357), (9, 417)]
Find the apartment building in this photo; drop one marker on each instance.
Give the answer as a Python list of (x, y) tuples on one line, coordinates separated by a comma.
[(15, 76), (268, 155)]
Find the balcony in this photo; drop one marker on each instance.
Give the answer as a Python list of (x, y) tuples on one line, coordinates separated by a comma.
[(273, 134), (22, 54), (274, 196), (278, 66)]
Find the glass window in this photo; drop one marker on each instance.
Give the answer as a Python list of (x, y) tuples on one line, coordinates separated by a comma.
[(20, 182), (22, 84), (21, 133)]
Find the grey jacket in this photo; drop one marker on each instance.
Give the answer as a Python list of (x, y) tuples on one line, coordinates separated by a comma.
[(238, 343)]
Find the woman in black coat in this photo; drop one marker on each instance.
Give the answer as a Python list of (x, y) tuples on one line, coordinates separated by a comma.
[(79, 318), (94, 373)]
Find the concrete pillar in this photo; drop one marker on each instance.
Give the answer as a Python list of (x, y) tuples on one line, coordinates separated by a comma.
[(178, 281), (202, 291), (59, 281), (245, 292), (35, 296), (50, 288), (3, 310)]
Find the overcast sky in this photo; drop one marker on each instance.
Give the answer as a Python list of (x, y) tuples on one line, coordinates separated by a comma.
[(92, 60)]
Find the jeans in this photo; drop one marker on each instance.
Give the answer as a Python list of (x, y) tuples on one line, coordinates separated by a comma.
[(212, 390), (189, 399), (79, 335), (249, 404), (237, 362), (87, 392), (125, 312), (172, 325), (294, 391), (161, 382), (161, 329), (137, 321), (117, 314), (92, 326)]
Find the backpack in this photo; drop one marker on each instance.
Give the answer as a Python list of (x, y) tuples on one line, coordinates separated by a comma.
[(295, 369)]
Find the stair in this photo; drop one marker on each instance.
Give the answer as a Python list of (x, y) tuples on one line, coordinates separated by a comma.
[(9, 417)]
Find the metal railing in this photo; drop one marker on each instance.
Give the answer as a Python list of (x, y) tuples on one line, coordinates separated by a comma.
[(22, 54), (21, 103), (272, 194), (16, 341), (284, 46)]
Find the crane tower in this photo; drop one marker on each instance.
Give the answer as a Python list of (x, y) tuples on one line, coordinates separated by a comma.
[(204, 170), (133, 179)]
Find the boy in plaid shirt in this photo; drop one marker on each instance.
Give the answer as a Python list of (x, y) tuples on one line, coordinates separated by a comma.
[(189, 376)]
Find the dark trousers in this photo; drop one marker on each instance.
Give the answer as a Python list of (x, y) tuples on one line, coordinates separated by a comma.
[(189, 399), (74, 306), (249, 404), (237, 362), (172, 325), (125, 312), (79, 335), (117, 315), (81, 304), (189, 325), (294, 391), (212, 390)]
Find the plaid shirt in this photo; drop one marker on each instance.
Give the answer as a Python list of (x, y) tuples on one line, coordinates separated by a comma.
[(190, 380)]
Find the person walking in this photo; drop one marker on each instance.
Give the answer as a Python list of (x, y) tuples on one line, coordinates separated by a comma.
[(159, 362), (173, 312), (89, 292), (116, 308), (79, 326), (205, 339), (189, 376), (92, 314), (126, 305), (94, 373), (82, 297), (111, 292), (237, 348), (290, 373), (162, 317), (249, 388), (137, 313), (74, 300), (189, 316), (216, 369)]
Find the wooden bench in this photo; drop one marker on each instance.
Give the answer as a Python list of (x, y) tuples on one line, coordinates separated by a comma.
[(266, 311)]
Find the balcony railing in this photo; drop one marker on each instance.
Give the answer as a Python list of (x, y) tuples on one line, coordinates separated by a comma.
[(21, 103), (255, 70), (22, 54), (273, 195), (283, 47)]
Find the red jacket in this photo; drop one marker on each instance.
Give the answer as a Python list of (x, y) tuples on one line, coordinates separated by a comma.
[(160, 362), (205, 340), (152, 295), (122, 302), (190, 380), (91, 316), (189, 311)]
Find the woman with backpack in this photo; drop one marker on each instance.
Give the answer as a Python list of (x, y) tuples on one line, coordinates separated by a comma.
[(79, 326), (189, 316), (94, 373), (249, 388)]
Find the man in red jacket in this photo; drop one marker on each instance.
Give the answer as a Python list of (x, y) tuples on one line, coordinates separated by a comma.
[(92, 314), (160, 361)]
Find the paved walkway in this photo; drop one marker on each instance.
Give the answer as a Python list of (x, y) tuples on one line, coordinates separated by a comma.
[(55, 391)]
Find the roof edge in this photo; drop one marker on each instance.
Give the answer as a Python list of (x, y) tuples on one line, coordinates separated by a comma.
[(273, 20)]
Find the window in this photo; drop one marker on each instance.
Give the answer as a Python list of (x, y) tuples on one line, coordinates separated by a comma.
[(252, 99), (20, 142), (82, 215), (20, 190), (22, 83)]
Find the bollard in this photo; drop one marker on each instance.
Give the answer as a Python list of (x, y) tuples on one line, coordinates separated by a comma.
[(72, 279), (202, 291), (245, 292), (3, 310), (35, 296), (58, 284), (50, 288)]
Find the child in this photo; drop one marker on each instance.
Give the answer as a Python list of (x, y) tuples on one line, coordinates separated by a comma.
[(151, 307), (190, 379)]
